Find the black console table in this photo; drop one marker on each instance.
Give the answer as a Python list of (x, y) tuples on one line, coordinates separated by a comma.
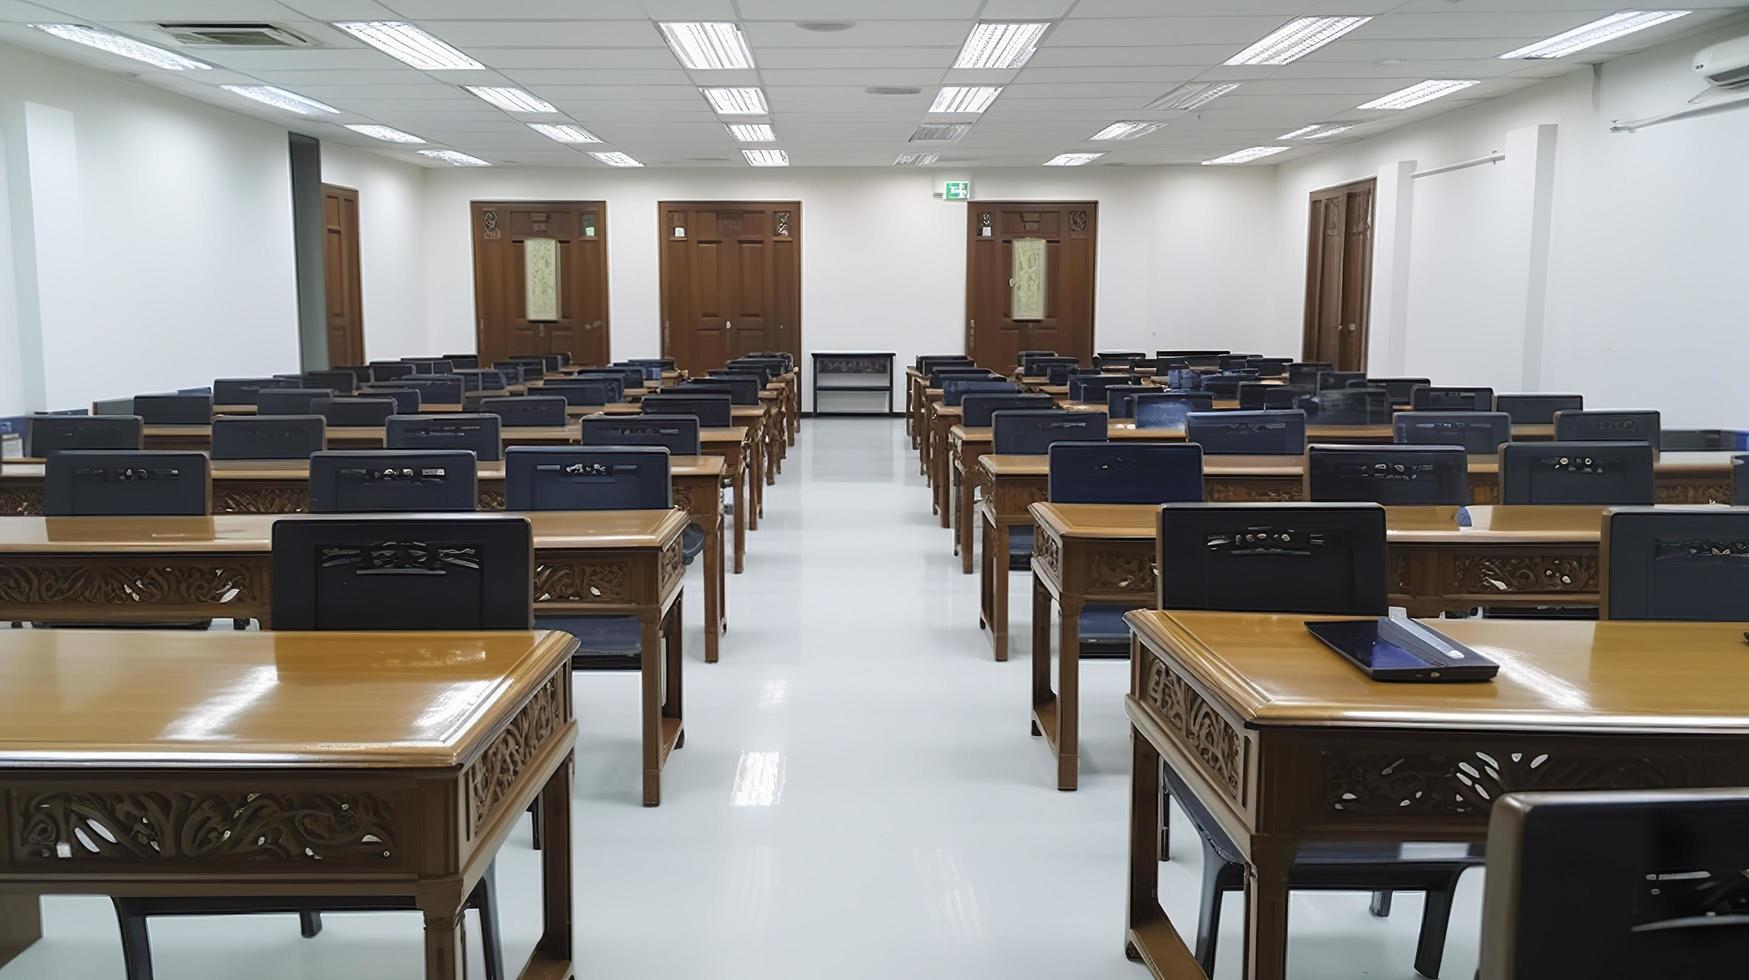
[(853, 376)]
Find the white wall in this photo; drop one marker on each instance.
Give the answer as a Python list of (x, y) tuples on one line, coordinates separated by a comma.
[(1637, 258), (151, 235), (391, 221), (883, 261)]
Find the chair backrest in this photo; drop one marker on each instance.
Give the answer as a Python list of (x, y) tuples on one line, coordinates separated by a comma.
[(740, 392), (479, 434), (586, 478), (1035, 365), (527, 410), (1577, 473), (1167, 408), (1347, 406), (760, 371), (471, 361), (1124, 472), (474, 379), (516, 372), (1445, 398), (941, 374), (407, 400), (1305, 373), (676, 433), (1675, 563), (268, 436), (927, 363), (384, 573), (340, 382), (628, 377), (1269, 367), (389, 370), (614, 384), (377, 481), (1120, 400), (373, 410), (590, 394), (242, 391), (1117, 358), (1632, 426), (289, 401), (1740, 481), (1401, 390), (1058, 374), (48, 434), (1256, 396), (976, 409), (1337, 379), (430, 365), (1480, 433), (360, 372), (1031, 432), (1266, 433), (954, 390), (434, 389), (126, 483), (1537, 409), (1615, 883), (712, 411), (174, 409), (1092, 388), (1406, 475), (1298, 558), (1226, 384)]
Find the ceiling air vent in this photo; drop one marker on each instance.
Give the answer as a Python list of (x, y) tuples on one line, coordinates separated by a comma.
[(236, 35)]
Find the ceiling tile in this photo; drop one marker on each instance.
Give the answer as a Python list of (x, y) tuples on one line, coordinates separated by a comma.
[(546, 33), (860, 11)]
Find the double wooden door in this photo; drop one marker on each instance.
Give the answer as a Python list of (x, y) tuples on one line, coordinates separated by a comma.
[(731, 280), (508, 237), (342, 282), (1339, 275), (1063, 322)]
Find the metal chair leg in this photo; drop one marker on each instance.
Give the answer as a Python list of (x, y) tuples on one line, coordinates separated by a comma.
[(136, 943), (1435, 918)]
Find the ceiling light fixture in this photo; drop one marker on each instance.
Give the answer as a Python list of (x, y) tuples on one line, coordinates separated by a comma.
[(279, 98), (1192, 95), (1000, 45), (1316, 131), (736, 101), (940, 132), (1595, 33), (966, 99), (766, 158), (1128, 130), (127, 47), (616, 159), (565, 133), (752, 132), (915, 159), (709, 45), (454, 158), (409, 45), (510, 99), (1414, 95), (388, 134), (1072, 159), (1296, 39), (1246, 156)]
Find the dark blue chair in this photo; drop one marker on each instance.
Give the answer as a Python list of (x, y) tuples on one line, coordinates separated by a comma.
[(1688, 564), (940, 375), (1577, 473), (126, 483), (679, 434), (268, 436), (1337, 379), (467, 361), (289, 401), (339, 382), (1032, 432), (1226, 385), (712, 411), (976, 409), (614, 383), (1479, 433), (954, 390), (515, 372), (242, 391), (1167, 408), (1537, 409), (407, 400), (588, 394), (430, 365), (740, 392), (434, 389), (48, 434), (1444, 398), (474, 379), (338, 412), (174, 409), (1267, 433), (384, 482), (529, 410), (1346, 406), (1120, 400), (1091, 388), (1401, 390), (1612, 426), (1255, 396), (1304, 374), (1270, 367), (478, 434), (1392, 475), (389, 370)]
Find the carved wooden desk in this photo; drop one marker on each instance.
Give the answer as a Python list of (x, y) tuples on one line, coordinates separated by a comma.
[(915, 383), (942, 418), (387, 765), (428, 408), (1285, 743), (176, 569), (199, 438)]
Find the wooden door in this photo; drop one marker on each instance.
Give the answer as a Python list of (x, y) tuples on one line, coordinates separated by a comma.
[(731, 280), (1339, 275), (342, 281), (994, 338), (578, 324)]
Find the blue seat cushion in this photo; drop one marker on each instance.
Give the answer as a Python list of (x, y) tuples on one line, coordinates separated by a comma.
[(1103, 631), (1020, 548), (691, 542), (602, 641)]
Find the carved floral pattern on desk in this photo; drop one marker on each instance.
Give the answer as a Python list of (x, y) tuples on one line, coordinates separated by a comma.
[(1198, 728), (1388, 784), (489, 779), (246, 499), (162, 827), (47, 581), (1511, 574), (581, 580), (1047, 552), (1115, 572)]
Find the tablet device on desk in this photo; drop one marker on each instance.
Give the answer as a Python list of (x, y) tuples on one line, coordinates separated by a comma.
[(1403, 650)]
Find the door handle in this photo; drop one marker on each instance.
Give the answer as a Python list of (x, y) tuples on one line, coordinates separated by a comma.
[(728, 325)]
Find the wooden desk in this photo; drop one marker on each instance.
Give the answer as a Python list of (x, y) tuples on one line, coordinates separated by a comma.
[(1284, 742), (751, 453), (429, 408), (199, 438), (942, 418), (390, 766), (915, 383)]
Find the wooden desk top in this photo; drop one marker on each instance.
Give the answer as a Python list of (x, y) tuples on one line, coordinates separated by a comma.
[(429, 408), (1620, 677), (144, 698), (617, 408), (377, 432), (1715, 463), (253, 533), (299, 469)]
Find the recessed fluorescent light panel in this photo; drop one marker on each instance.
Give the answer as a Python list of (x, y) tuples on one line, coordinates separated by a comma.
[(1246, 156), (1072, 159), (1418, 93), (915, 159), (708, 46), (752, 132), (385, 133), (1127, 130), (409, 45), (1000, 45), (454, 159), (1316, 131), (1194, 95), (969, 99), (1595, 33), (1296, 39), (766, 158), (127, 47), (279, 98), (940, 133), (736, 101), (616, 159), (565, 133), (510, 99)]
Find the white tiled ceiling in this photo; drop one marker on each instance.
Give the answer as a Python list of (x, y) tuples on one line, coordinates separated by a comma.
[(602, 63)]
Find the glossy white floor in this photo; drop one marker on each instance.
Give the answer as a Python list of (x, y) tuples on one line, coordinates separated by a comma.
[(858, 796)]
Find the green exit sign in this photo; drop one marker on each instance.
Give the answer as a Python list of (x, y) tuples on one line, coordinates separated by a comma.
[(956, 190)]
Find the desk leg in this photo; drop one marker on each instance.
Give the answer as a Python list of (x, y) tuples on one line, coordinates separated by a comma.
[(554, 944), (673, 703), (739, 480), (446, 947), (713, 590), (1041, 647), (651, 656), (756, 479), (775, 440), (998, 551), (963, 527), (21, 924), (1068, 693), (942, 478), (1266, 908), (985, 576)]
